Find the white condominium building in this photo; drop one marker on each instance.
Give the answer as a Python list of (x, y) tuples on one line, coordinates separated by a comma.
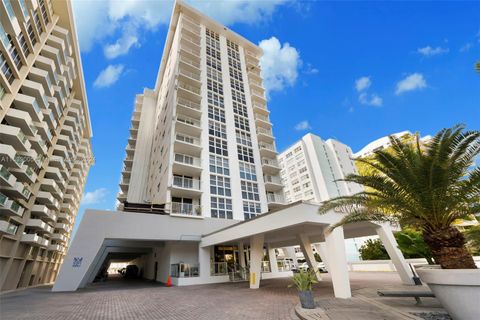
[(201, 142), (384, 143), (45, 134), (310, 168)]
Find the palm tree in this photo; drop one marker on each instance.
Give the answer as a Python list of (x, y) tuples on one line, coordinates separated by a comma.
[(477, 66), (425, 187)]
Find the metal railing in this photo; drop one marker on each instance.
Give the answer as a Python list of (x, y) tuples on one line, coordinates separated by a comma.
[(270, 162), (188, 104), (188, 209), (275, 198), (264, 131), (188, 120), (188, 87), (186, 159), (187, 139), (262, 117), (267, 146), (184, 270), (186, 183), (272, 179)]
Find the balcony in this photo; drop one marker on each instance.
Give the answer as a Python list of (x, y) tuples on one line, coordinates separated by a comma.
[(270, 166), (189, 108), (44, 212), (56, 248), (124, 184), (189, 63), (41, 76), (272, 183), (35, 90), (254, 75), (185, 144), (8, 228), (39, 226), (10, 207), (55, 174), (185, 209), (267, 150), (28, 104), (21, 119), (51, 186), (46, 198), (8, 157), (63, 227), (190, 37), (39, 145), (191, 28), (275, 200), (25, 174), (265, 135), (59, 237), (257, 85), (185, 164), (262, 121), (189, 92), (18, 191), (65, 217), (14, 136), (187, 125), (7, 179), (69, 198), (189, 50), (34, 240), (189, 77), (68, 208), (185, 187), (260, 108)]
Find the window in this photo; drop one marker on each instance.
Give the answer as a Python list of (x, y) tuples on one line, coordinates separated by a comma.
[(302, 170), (247, 171), (216, 113), (214, 86), (217, 129), (219, 165), (214, 74), (251, 209), (218, 146), (6, 70), (220, 185), (243, 138), (296, 189), (9, 8), (245, 154), (242, 123), (221, 208), (250, 191), (184, 159), (215, 99), (297, 149), (240, 109)]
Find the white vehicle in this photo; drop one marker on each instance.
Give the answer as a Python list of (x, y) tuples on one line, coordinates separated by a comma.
[(305, 267)]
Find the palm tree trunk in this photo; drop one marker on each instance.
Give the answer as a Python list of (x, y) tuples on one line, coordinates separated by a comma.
[(448, 248)]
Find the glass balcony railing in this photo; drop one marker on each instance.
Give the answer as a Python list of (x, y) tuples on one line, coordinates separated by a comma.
[(3, 199), (186, 209), (5, 173), (186, 183)]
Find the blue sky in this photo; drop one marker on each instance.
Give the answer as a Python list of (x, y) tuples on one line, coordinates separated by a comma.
[(353, 71)]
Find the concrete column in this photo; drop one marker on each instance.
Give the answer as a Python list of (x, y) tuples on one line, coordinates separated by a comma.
[(322, 251), (272, 257), (385, 233), (290, 252), (241, 254), (204, 262), (307, 250), (256, 256), (336, 257)]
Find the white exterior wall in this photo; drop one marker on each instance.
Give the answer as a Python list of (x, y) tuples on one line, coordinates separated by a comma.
[(156, 142)]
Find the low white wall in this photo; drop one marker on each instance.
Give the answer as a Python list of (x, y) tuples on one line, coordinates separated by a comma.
[(387, 265)]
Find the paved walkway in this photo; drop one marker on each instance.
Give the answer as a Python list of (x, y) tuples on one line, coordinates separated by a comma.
[(145, 300)]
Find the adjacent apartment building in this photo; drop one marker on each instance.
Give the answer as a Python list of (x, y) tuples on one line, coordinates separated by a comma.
[(311, 167), (45, 151), (201, 142)]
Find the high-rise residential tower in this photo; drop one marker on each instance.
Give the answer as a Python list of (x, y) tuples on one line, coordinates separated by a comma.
[(45, 151), (201, 141), (311, 168)]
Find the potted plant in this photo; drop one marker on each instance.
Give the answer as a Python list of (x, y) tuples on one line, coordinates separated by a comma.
[(427, 186), (303, 281)]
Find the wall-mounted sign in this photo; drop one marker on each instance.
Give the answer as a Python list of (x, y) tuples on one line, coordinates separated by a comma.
[(77, 262)]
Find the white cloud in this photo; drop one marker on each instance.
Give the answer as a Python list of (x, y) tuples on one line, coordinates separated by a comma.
[(362, 83), (303, 125), (279, 64), (98, 21), (414, 81), (430, 51), (311, 69), (94, 197), (466, 47), (121, 47), (108, 76), (370, 100)]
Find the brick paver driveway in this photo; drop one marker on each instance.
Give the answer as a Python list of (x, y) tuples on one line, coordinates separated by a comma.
[(143, 300)]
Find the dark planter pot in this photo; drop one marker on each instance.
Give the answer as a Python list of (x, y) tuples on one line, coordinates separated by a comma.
[(306, 299)]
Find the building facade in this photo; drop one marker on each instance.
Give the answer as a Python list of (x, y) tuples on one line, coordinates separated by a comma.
[(201, 142), (311, 167), (45, 151)]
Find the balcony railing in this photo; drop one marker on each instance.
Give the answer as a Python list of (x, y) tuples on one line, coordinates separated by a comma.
[(272, 179), (188, 120), (275, 198), (186, 159), (187, 139), (270, 162), (267, 146), (188, 87), (265, 132), (189, 74), (186, 183), (186, 209)]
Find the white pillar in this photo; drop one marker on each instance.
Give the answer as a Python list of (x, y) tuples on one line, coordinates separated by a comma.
[(256, 256), (322, 251), (204, 262), (336, 257), (272, 257), (307, 250), (241, 254), (290, 252), (385, 233)]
